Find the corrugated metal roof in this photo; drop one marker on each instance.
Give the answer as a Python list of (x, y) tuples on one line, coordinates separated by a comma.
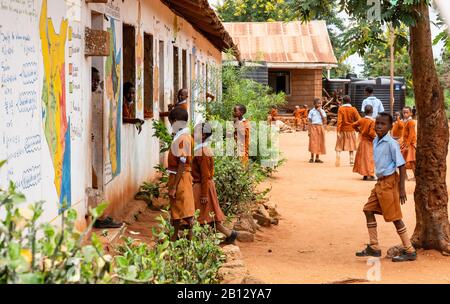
[(283, 42)]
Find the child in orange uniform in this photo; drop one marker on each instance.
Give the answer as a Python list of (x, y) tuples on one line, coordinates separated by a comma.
[(242, 133), (298, 117), (397, 128), (273, 114), (317, 119), (204, 188), (346, 137), (182, 207), (364, 163), (409, 141)]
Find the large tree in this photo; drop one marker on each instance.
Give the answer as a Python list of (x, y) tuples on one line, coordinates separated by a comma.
[(431, 198)]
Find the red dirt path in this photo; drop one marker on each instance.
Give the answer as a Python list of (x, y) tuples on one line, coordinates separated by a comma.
[(322, 226)]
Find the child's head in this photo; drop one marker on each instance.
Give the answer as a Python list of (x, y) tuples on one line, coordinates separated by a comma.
[(239, 111), (183, 94), (368, 110), (369, 91), (347, 99), (95, 82), (317, 103), (383, 124), (204, 129), (305, 106), (129, 92), (397, 115), (407, 112), (178, 115)]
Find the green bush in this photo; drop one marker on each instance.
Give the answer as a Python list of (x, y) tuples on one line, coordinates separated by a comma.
[(192, 262)]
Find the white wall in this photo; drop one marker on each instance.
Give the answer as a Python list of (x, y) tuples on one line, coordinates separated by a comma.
[(28, 125)]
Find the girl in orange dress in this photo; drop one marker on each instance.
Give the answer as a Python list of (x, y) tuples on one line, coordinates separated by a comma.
[(204, 188), (409, 140), (182, 206), (364, 161), (346, 137)]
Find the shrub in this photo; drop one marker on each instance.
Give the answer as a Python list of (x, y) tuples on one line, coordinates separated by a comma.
[(192, 262)]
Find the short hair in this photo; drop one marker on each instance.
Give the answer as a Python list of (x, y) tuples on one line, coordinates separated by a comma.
[(178, 114), (388, 115), (205, 129), (369, 90), (127, 86), (408, 107), (316, 100), (94, 71), (368, 109), (347, 99), (241, 108)]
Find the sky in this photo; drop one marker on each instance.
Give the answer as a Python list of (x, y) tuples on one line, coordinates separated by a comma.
[(356, 61)]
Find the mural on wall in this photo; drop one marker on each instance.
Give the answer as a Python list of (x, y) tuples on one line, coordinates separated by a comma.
[(114, 102), (54, 107), (139, 65)]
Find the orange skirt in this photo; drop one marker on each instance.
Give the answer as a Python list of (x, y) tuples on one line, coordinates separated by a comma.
[(346, 141), (211, 207), (317, 140), (183, 205), (364, 162), (409, 154)]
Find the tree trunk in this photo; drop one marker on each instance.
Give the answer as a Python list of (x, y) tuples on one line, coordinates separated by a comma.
[(431, 198)]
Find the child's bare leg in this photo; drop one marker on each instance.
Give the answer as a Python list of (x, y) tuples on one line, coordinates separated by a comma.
[(403, 234), (372, 229), (190, 222), (312, 158), (352, 159), (222, 229), (176, 226), (338, 159)]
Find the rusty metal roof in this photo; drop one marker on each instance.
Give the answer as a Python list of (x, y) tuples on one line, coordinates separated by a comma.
[(204, 19), (283, 42)]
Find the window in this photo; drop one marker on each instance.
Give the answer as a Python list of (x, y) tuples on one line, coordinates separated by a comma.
[(176, 72), (148, 76), (280, 81), (185, 72), (129, 68)]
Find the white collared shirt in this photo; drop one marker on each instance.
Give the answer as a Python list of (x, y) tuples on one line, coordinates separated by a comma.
[(316, 117)]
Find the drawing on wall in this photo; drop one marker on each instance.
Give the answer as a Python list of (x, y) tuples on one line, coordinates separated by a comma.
[(114, 100), (54, 107), (139, 64)]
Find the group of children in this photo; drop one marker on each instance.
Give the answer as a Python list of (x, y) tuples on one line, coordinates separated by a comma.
[(378, 156), (191, 170)]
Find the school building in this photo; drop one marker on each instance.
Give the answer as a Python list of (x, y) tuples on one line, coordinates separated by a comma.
[(288, 56), (55, 132)]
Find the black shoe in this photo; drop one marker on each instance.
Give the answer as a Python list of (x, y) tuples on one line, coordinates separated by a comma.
[(371, 178), (369, 252), (319, 161), (405, 256), (231, 238), (365, 178), (106, 223), (311, 161)]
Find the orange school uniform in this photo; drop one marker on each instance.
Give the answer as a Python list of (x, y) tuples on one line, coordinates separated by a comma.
[(364, 161), (397, 129), (242, 137), (183, 205), (408, 146), (204, 186), (300, 117), (273, 114), (346, 137)]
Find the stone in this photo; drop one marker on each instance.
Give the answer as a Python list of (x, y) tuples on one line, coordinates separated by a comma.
[(232, 275), (274, 221), (394, 251), (234, 264), (232, 252), (245, 237), (251, 280), (245, 223), (262, 220), (272, 209)]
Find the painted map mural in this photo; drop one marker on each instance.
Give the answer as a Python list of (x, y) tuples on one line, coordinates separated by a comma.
[(54, 106), (114, 99)]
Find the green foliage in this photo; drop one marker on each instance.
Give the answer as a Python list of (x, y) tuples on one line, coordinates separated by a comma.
[(236, 186), (255, 10), (258, 98), (163, 135), (57, 256), (191, 262)]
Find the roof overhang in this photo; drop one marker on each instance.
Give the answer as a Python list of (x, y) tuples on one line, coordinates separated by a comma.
[(204, 19), (292, 65)]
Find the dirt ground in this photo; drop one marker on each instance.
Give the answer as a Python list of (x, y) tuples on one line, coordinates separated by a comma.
[(323, 225)]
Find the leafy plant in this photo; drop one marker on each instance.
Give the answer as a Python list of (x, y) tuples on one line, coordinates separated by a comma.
[(163, 135), (57, 255), (193, 262)]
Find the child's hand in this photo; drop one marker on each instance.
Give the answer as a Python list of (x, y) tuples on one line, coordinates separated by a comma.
[(203, 200), (172, 193), (403, 197)]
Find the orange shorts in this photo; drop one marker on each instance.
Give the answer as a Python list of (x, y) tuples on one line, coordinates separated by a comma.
[(385, 198)]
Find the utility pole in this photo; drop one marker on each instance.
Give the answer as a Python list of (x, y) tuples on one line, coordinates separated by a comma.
[(391, 45)]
